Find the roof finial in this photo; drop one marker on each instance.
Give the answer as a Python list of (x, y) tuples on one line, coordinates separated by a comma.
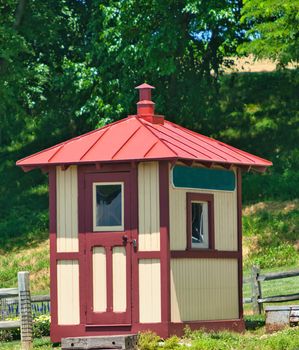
[(145, 106)]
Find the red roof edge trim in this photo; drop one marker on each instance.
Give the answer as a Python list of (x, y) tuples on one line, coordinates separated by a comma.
[(70, 140), (269, 163)]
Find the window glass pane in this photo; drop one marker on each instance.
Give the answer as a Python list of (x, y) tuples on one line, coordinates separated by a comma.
[(108, 205), (199, 224)]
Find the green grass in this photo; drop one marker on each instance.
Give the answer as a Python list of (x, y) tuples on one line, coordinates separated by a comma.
[(287, 339), (254, 339), (271, 234), (41, 344)]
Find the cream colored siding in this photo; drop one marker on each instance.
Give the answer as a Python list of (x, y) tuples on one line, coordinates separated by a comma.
[(204, 289), (149, 291), (149, 206), (225, 218), (99, 279), (119, 279), (68, 292), (67, 209)]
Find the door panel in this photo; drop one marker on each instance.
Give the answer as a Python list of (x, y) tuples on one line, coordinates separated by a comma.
[(108, 248), (119, 274), (99, 279)]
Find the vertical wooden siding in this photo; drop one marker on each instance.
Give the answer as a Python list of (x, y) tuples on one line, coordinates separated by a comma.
[(119, 279), (204, 289), (149, 291), (225, 215), (99, 279), (67, 209), (149, 209), (68, 292)]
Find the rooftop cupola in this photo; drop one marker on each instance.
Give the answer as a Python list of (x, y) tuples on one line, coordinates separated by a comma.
[(145, 105)]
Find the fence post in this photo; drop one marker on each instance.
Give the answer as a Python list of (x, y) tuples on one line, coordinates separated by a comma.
[(256, 290), (25, 310)]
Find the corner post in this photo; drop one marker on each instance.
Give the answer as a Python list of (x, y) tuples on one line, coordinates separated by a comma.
[(25, 310)]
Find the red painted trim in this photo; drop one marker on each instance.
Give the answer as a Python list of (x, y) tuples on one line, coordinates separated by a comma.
[(109, 272), (103, 167), (236, 325), (162, 329), (149, 255), (204, 197), (134, 235), (53, 266), (164, 241), (67, 256), (84, 267), (103, 325), (240, 262), (206, 254)]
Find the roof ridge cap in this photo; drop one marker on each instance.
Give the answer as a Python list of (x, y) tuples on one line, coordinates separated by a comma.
[(143, 121)]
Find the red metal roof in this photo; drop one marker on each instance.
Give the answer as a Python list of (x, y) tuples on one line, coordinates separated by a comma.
[(143, 137)]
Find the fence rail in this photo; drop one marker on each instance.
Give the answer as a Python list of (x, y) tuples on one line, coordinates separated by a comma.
[(256, 279), (8, 292)]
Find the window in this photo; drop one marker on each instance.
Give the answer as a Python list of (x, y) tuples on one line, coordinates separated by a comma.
[(108, 206), (200, 216)]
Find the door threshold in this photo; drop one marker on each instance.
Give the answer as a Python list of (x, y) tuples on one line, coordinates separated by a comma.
[(108, 325)]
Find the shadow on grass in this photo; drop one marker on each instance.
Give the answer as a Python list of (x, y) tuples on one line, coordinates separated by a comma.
[(254, 322)]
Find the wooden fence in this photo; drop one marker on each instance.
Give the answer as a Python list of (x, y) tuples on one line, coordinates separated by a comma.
[(257, 299), (25, 311)]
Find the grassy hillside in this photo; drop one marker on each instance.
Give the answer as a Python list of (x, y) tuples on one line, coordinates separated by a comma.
[(271, 234), (270, 239)]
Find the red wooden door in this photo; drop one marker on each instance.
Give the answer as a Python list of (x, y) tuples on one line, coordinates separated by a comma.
[(108, 248)]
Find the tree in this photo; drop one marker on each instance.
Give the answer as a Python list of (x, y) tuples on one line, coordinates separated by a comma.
[(178, 46), (274, 29)]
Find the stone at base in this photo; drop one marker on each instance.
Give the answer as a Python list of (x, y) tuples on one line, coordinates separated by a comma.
[(122, 342), (277, 317)]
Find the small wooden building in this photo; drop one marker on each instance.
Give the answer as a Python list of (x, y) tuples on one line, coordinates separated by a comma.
[(145, 228)]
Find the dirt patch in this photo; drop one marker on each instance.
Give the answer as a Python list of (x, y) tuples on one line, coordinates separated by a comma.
[(286, 207)]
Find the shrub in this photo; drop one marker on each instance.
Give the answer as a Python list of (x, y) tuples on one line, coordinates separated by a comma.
[(148, 341), (7, 335), (41, 326)]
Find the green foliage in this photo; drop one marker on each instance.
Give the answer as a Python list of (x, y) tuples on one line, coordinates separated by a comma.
[(172, 343), (274, 29), (7, 335), (270, 234), (148, 341), (41, 328), (259, 114), (279, 256)]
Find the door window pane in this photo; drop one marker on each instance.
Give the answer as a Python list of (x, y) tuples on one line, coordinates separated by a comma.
[(108, 207)]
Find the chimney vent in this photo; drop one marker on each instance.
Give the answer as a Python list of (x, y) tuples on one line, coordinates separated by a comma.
[(145, 106)]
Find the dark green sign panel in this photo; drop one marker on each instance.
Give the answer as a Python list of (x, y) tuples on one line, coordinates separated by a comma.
[(202, 178)]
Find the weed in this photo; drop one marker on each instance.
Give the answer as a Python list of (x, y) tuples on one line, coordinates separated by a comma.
[(148, 341)]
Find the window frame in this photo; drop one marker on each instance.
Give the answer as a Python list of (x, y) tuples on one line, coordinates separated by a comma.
[(201, 198), (94, 206)]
